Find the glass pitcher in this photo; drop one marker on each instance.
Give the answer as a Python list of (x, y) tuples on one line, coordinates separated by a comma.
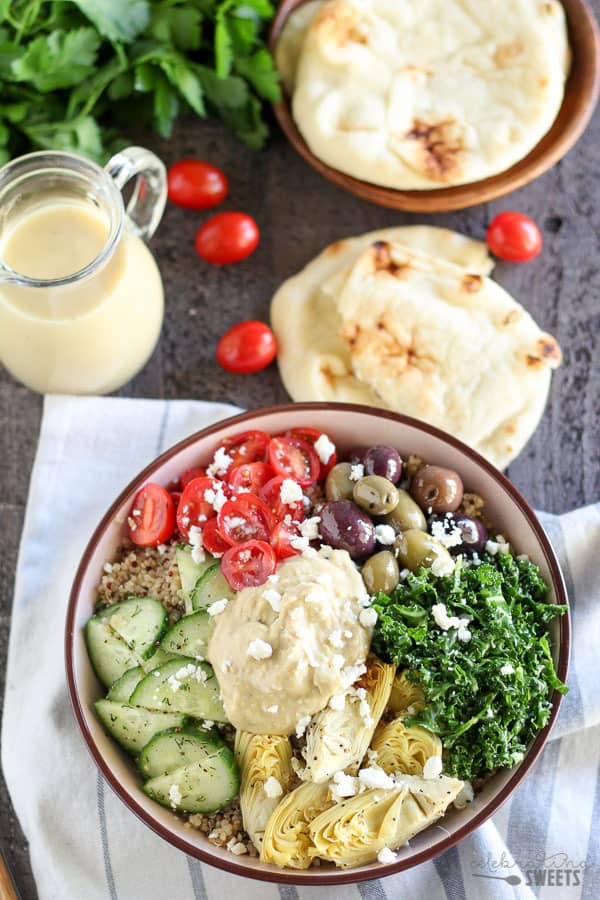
[(81, 298)]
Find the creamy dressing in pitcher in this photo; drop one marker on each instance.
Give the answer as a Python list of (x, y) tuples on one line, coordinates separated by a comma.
[(90, 336)]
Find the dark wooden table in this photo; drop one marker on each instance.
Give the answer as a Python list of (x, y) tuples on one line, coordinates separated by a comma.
[(298, 213)]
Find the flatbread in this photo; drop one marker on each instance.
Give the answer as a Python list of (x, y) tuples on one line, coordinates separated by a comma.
[(416, 333), (419, 94), (291, 40)]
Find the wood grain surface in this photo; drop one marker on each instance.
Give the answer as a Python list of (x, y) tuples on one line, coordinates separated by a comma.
[(298, 212)]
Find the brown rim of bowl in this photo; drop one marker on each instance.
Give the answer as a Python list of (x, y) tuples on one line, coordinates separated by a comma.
[(342, 877), (581, 95)]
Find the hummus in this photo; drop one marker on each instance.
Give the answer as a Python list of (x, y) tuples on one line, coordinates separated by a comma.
[(282, 650)]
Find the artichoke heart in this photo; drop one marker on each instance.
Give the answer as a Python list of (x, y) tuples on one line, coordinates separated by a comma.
[(261, 757), (338, 738), (354, 831), (406, 695), (287, 841), (403, 749)]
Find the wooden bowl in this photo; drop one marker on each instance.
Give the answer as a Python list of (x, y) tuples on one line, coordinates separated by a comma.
[(581, 95)]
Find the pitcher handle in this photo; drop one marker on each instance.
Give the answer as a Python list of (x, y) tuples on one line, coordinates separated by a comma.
[(147, 203)]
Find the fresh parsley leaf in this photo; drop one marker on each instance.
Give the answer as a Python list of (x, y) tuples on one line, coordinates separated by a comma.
[(223, 48), (58, 60), (180, 26), (117, 20), (261, 73)]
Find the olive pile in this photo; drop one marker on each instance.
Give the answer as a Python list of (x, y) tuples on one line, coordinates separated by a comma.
[(356, 506)]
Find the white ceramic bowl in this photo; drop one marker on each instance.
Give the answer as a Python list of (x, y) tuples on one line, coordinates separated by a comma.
[(348, 426)]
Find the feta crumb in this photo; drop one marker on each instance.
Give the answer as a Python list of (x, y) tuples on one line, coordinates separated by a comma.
[(297, 766), (300, 543), (324, 448), (446, 622), (195, 542), (441, 566), (464, 635), (301, 725), (259, 649), (385, 534), (432, 767), (523, 557), (357, 472), (500, 545), (507, 669), (290, 491), (107, 567), (404, 573), (226, 666), (162, 549), (335, 639), (272, 788), (337, 661), (375, 777), (337, 702), (465, 796), (221, 462), (343, 786), (309, 529), (274, 578), (207, 724), (451, 538), (175, 796), (273, 709), (238, 849), (350, 674), (368, 617), (273, 598), (217, 607), (386, 855)]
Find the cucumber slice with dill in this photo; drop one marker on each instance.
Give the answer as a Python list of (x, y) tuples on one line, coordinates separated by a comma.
[(181, 685), (110, 656), (139, 621), (212, 586), (133, 727), (172, 749), (189, 636), (122, 689)]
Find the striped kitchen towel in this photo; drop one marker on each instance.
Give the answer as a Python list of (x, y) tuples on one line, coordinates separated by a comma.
[(85, 845)]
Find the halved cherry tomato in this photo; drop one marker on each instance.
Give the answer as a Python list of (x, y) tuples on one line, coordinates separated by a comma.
[(247, 447), (196, 184), (194, 508), (190, 474), (211, 539), (294, 458), (271, 495), (247, 347), (176, 496), (513, 236), (281, 540), (250, 476), (248, 564), (226, 238), (246, 518), (311, 436), (152, 517)]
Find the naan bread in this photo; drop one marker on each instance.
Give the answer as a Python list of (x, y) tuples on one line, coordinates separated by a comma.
[(419, 94), (407, 331), (291, 40)]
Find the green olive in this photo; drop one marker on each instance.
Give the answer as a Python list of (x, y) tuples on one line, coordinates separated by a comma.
[(416, 548), (407, 514), (381, 573), (376, 495), (339, 485)]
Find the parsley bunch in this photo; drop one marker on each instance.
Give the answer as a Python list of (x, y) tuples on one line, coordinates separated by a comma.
[(75, 73), (484, 718)]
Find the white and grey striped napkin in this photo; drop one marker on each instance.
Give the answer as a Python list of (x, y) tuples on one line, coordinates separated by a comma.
[(85, 845)]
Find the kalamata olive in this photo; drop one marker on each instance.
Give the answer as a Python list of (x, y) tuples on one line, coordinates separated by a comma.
[(406, 514), (384, 461), (376, 495), (356, 455), (338, 485), (416, 548), (438, 489), (346, 527), (464, 535), (381, 573)]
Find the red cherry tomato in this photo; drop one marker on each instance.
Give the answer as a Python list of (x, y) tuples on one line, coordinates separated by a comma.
[(152, 517), (212, 540), (311, 436), (250, 476), (246, 518), (248, 564), (514, 237), (196, 184), (281, 540), (176, 497), (194, 508), (271, 495), (190, 474), (294, 458), (226, 238), (247, 347), (247, 447)]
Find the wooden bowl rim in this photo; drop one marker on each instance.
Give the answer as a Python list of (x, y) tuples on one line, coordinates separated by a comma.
[(562, 136)]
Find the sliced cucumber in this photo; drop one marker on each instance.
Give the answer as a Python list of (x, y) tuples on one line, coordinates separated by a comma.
[(133, 727), (189, 636), (204, 786), (212, 586), (171, 750), (181, 685), (122, 689), (110, 656), (190, 572), (139, 621), (157, 659)]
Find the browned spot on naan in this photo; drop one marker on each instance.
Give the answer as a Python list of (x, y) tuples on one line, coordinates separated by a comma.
[(442, 148), (472, 283)]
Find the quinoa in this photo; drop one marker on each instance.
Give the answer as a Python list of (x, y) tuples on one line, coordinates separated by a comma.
[(143, 572), (472, 505)]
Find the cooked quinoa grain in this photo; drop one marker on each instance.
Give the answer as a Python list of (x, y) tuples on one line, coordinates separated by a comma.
[(143, 572)]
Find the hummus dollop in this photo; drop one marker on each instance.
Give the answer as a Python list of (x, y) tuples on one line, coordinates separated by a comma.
[(282, 650)]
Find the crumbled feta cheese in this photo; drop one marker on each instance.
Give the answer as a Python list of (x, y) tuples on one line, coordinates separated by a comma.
[(444, 621), (273, 598), (259, 649), (175, 796), (273, 709), (209, 496), (300, 543), (368, 617), (195, 542), (386, 855), (441, 566), (464, 635), (324, 448), (337, 661), (217, 607), (490, 713), (385, 534), (432, 767), (132, 523), (290, 491), (500, 545), (297, 766), (357, 472), (221, 462), (207, 724), (162, 549), (272, 787), (335, 639), (342, 786), (274, 578), (465, 796), (337, 702), (309, 529), (301, 725), (347, 634), (451, 538), (523, 557), (350, 674), (226, 666), (364, 711), (507, 669), (238, 849), (375, 777), (404, 573), (107, 567)]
